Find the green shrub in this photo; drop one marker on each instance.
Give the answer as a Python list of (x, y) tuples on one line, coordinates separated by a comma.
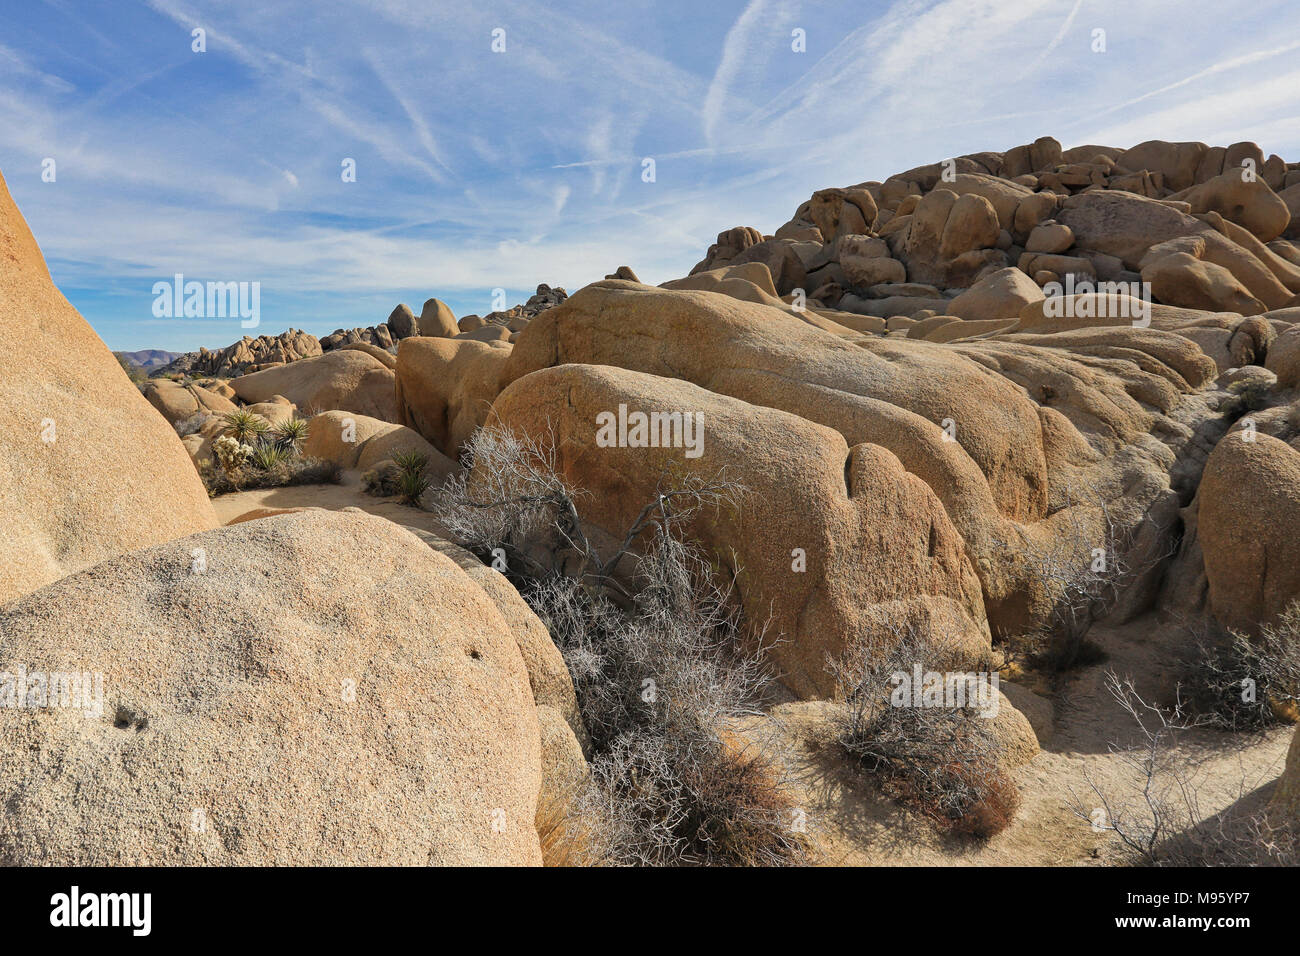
[(245, 427), (291, 433), (412, 482), (265, 457)]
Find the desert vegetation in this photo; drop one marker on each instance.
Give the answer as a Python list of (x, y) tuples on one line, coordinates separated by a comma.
[(1157, 809), (650, 637), (250, 452), (946, 761), (639, 575)]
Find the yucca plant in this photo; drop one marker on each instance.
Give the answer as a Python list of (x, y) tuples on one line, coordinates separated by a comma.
[(412, 482), (245, 427), (290, 434), (268, 456)]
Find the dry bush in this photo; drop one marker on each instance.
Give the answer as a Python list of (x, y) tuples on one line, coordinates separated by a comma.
[(1084, 567), (191, 425), (661, 800), (283, 473), (944, 762), (1158, 815), (656, 685), (1238, 682), (511, 505), (651, 639)]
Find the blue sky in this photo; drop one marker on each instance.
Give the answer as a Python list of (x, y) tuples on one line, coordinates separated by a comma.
[(478, 170)]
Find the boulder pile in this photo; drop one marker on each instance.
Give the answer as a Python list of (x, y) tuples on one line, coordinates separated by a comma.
[(941, 400)]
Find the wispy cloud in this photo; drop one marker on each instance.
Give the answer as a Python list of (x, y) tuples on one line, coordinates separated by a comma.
[(478, 169)]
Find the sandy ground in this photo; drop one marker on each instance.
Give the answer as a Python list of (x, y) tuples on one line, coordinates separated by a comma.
[(346, 494), (852, 823)]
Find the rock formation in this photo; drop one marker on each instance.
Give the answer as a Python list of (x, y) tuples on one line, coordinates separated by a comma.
[(364, 703), (88, 470)]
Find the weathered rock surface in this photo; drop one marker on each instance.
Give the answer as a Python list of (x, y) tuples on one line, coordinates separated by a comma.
[(226, 700), (1031, 425), (1248, 522), (345, 380), (88, 470), (357, 441), (876, 543), (248, 354), (445, 387)]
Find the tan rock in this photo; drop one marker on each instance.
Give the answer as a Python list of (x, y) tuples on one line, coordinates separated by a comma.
[(1178, 163), (361, 442), (842, 212), (88, 470), (1286, 798), (866, 262), (401, 322), (997, 295), (1248, 203), (731, 242), (338, 436), (1042, 154), (896, 392), (487, 333), (1003, 195), (908, 563), (1037, 710), (1016, 740), (547, 673), (1183, 279), (227, 701), (274, 412), (1122, 224), (949, 239), (174, 401), (1050, 237), (1248, 523), (445, 387), (345, 380), (1284, 358), (437, 320), (383, 355)]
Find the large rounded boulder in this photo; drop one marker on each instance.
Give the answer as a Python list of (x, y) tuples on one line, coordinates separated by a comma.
[(309, 688), (1248, 524), (825, 541), (346, 380), (88, 469)]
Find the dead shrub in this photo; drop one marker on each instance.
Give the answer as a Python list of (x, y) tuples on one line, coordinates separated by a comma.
[(651, 639), (944, 762), (1239, 682), (1156, 811)]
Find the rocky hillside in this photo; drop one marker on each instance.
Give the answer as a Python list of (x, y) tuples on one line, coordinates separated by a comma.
[(1030, 416)]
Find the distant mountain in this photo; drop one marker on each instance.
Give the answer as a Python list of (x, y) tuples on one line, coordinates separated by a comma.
[(150, 359)]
